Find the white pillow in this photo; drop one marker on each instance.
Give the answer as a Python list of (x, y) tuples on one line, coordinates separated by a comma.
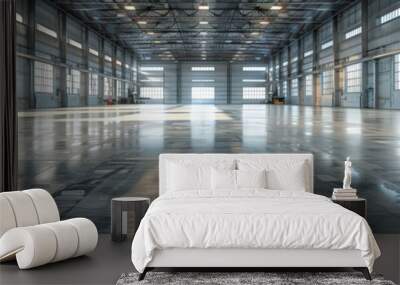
[(284, 174), (251, 178), (186, 178), (230, 180), (223, 179), (291, 178)]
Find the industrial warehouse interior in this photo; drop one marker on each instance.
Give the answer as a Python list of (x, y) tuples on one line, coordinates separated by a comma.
[(93, 92)]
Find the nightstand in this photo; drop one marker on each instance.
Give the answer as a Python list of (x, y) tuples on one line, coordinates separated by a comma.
[(358, 206), (126, 214)]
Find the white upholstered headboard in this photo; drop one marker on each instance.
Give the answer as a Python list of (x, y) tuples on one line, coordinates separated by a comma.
[(193, 157)]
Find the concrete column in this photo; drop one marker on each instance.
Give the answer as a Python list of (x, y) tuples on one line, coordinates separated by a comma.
[(31, 50), (101, 72), (123, 72), (229, 84), (114, 72), (86, 66), (289, 75), (316, 91), (178, 82), (62, 32), (364, 48), (336, 74), (300, 74)]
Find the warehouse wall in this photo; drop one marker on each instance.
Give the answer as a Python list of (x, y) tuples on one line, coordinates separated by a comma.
[(228, 79), (55, 67), (374, 49)]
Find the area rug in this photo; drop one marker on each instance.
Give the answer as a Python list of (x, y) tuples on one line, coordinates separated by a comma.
[(244, 278)]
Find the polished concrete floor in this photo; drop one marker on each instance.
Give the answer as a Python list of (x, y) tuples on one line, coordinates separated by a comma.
[(86, 156)]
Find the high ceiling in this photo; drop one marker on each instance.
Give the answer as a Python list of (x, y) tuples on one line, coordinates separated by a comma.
[(203, 29)]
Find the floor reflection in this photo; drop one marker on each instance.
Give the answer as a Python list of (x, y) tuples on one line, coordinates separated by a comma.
[(86, 156)]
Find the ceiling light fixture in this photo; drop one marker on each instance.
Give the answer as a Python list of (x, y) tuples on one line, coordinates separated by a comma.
[(150, 33), (130, 7), (276, 7), (203, 23), (249, 42), (203, 33), (264, 23), (142, 22), (255, 33)]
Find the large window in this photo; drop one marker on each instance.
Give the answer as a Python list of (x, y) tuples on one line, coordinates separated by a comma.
[(253, 93), (151, 68), (43, 77), (151, 92), (390, 16), (284, 89), (75, 43), (253, 68), (397, 72), (119, 88), (108, 87), (73, 82), (309, 85), (308, 53), (93, 84), (203, 68), (203, 93), (46, 30), (353, 78), (327, 82), (295, 88), (327, 45), (253, 80), (353, 33)]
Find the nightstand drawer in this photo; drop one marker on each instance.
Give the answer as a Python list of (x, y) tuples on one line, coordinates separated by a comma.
[(358, 206)]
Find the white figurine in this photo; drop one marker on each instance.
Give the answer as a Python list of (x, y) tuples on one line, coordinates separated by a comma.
[(347, 174)]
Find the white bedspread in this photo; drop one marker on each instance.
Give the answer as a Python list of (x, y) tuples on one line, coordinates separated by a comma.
[(250, 219)]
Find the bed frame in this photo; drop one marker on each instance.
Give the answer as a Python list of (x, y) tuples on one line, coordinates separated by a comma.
[(249, 259)]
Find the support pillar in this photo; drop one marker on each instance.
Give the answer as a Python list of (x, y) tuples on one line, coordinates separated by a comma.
[(229, 84), (364, 48), (8, 102), (336, 71), (62, 91)]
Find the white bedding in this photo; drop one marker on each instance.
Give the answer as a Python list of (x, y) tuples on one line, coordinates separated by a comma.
[(250, 219)]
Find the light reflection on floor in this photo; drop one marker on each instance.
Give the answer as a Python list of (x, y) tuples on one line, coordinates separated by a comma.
[(85, 156)]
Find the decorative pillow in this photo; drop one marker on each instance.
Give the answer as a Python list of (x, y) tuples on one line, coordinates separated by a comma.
[(251, 178), (184, 178), (223, 179)]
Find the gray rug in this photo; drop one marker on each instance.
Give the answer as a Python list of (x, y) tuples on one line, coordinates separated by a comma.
[(268, 278)]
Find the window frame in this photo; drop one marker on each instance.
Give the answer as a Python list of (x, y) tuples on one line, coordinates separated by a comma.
[(355, 70), (42, 79), (152, 92), (203, 90), (396, 71), (254, 93), (308, 86)]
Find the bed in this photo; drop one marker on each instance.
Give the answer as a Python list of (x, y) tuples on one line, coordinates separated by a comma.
[(247, 211)]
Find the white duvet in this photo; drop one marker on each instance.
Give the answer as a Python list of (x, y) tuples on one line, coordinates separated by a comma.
[(250, 219)]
